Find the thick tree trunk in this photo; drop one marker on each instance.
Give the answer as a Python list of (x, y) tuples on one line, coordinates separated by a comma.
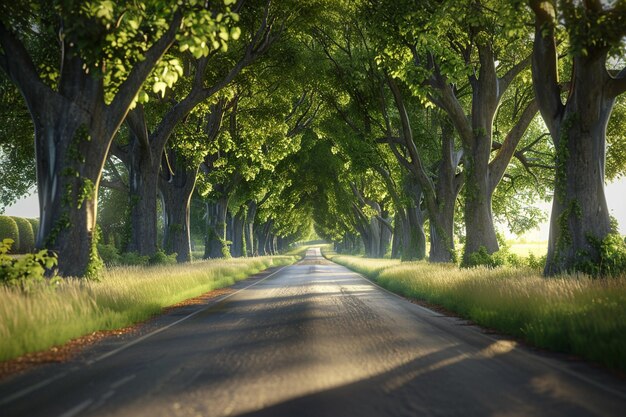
[(385, 234), (68, 193), (580, 214), (479, 227), (442, 235), (239, 244), (578, 128), (176, 201), (143, 182), (216, 245)]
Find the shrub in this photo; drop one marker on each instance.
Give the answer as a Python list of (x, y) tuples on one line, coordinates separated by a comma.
[(27, 238), (612, 262), (35, 225), (26, 272), (161, 258), (133, 258), (483, 258), (9, 230), (109, 254)]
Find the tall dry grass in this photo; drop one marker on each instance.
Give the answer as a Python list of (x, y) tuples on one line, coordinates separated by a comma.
[(573, 314), (124, 295)]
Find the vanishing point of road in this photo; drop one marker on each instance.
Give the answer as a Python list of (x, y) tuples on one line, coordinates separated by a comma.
[(312, 339)]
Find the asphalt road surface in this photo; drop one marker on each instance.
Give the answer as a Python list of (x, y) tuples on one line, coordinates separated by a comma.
[(313, 339)]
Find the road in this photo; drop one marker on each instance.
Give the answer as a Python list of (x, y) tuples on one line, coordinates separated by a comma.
[(313, 339)]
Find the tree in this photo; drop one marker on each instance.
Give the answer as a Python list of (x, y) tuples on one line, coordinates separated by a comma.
[(462, 57), (106, 51), (577, 122)]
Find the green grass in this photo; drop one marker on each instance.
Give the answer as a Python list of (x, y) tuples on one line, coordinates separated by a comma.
[(125, 295), (572, 314)]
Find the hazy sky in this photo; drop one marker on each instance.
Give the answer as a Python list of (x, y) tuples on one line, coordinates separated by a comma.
[(615, 194)]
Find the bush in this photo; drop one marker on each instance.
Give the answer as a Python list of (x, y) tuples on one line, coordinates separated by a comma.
[(612, 262), (9, 230), (109, 254), (161, 258), (483, 258), (27, 238), (133, 258), (35, 225), (26, 272)]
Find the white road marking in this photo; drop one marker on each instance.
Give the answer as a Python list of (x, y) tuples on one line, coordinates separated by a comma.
[(48, 381), (80, 407), (187, 317), (32, 388), (122, 381)]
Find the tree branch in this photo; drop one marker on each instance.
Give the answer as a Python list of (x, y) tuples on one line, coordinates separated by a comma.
[(545, 65), (617, 85), (18, 65), (505, 81), (498, 165)]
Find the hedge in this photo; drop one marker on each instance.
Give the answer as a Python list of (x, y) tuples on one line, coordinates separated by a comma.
[(27, 238), (9, 230), (35, 224)]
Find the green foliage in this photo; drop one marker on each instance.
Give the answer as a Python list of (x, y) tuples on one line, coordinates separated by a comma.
[(504, 257), (133, 258), (484, 258), (9, 229), (109, 254), (26, 272), (111, 257), (161, 258), (27, 238), (612, 257), (35, 225)]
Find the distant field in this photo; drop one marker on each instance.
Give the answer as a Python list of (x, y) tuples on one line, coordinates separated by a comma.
[(526, 248)]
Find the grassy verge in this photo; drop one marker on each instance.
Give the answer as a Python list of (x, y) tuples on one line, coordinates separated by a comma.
[(125, 295), (569, 314)]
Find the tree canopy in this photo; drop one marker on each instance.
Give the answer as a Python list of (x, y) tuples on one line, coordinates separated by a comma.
[(234, 128)]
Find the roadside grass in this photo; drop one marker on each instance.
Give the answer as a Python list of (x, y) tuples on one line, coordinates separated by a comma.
[(124, 295), (571, 314)]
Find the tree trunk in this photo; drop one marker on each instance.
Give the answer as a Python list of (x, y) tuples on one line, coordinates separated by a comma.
[(68, 193), (216, 245), (442, 235), (239, 244), (249, 229), (396, 243), (143, 182), (580, 214), (176, 204), (479, 227)]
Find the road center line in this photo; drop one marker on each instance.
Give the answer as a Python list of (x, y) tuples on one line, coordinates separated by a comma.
[(122, 381), (80, 407)]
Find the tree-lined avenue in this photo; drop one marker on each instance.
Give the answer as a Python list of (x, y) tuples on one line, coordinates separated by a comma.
[(314, 339)]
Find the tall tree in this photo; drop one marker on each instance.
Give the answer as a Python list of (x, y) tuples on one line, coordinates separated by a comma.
[(80, 67), (578, 121)]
